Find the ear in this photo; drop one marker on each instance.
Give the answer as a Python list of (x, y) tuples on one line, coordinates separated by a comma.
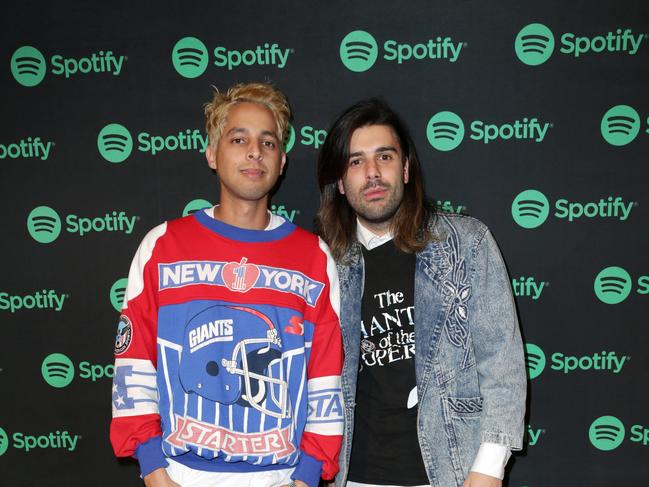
[(341, 188), (405, 171), (210, 155), (283, 163)]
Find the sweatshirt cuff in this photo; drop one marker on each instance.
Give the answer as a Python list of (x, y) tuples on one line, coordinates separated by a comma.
[(308, 470), (150, 456), (491, 460)]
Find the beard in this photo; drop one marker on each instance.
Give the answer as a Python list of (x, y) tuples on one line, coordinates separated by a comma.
[(376, 211)]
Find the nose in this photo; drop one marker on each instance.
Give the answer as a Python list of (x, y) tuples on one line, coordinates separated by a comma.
[(254, 151), (372, 170)]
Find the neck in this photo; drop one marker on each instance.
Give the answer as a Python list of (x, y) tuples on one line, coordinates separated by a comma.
[(251, 215), (378, 229)]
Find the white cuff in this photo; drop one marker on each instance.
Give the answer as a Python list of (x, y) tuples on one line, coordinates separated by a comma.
[(491, 460)]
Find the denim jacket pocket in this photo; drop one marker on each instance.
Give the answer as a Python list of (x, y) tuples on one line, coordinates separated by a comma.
[(462, 415)]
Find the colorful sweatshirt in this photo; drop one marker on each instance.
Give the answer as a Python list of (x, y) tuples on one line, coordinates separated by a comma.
[(228, 352)]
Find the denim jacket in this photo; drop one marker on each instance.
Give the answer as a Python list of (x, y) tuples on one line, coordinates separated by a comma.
[(469, 362)]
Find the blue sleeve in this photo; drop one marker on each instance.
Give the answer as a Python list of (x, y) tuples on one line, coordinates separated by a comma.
[(150, 456), (308, 470)]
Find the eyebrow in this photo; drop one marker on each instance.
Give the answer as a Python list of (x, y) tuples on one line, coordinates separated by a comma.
[(240, 130), (387, 148)]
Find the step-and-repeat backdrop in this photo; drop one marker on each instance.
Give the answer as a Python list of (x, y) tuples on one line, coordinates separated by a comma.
[(531, 116)]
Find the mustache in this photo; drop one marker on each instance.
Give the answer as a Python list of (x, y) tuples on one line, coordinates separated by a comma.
[(375, 183)]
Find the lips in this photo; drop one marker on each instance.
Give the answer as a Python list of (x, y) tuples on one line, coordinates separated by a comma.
[(375, 192), (252, 172)]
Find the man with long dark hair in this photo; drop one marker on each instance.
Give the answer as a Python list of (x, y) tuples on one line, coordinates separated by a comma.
[(434, 376)]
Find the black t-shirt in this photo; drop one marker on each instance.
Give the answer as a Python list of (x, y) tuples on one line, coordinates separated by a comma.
[(385, 447)]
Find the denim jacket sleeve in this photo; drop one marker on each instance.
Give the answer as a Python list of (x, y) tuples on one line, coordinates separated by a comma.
[(498, 348)]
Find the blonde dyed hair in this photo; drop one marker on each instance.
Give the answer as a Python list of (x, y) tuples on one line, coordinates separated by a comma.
[(216, 111)]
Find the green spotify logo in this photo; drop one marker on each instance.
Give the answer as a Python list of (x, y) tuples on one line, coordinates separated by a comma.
[(57, 370), (290, 140), (612, 285), (115, 143), (530, 208), (606, 433), (28, 66), (189, 57), (534, 360), (44, 224), (4, 442), (445, 131), (117, 292), (194, 205), (534, 44), (358, 51), (620, 125)]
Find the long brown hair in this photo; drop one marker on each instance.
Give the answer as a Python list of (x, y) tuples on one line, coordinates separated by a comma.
[(336, 219)]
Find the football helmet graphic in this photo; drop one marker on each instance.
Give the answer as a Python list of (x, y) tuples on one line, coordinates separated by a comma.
[(232, 355)]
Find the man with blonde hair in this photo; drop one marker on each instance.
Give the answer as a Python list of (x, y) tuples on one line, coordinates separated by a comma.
[(228, 352)]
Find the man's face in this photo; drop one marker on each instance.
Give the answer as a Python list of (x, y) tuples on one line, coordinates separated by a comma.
[(375, 176), (249, 156)]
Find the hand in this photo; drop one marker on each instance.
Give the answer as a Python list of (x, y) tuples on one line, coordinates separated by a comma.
[(159, 478), (298, 483), (475, 479)]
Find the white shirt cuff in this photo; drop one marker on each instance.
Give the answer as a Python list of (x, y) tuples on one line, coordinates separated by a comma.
[(491, 460)]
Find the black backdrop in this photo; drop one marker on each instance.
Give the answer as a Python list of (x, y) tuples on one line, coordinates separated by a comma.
[(587, 416)]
